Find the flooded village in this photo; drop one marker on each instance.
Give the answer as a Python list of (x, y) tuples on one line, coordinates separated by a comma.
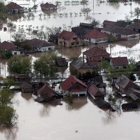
[(71, 68)]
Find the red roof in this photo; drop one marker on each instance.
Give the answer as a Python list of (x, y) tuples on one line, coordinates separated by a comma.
[(95, 34), (13, 5), (46, 90), (66, 35), (69, 82), (7, 46), (119, 61), (96, 51), (94, 90)]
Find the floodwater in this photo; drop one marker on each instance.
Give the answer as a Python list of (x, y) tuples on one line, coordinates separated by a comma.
[(82, 119)]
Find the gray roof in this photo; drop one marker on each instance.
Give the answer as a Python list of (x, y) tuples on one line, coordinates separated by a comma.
[(119, 30)]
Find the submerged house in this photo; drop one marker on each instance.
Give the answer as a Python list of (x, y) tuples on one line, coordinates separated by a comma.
[(94, 92), (14, 8), (8, 46), (26, 87), (127, 87), (73, 86), (77, 67), (39, 45), (48, 6), (45, 93), (121, 32), (61, 62)]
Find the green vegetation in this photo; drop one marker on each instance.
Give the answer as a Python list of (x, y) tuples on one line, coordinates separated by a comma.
[(19, 65), (3, 14), (137, 12), (7, 113), (45, 66)]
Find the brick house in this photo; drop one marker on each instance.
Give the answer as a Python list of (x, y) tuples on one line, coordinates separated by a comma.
[(95, 36), (118, 62), (73, 86), (68, 39), (14, 8), (96, 54)]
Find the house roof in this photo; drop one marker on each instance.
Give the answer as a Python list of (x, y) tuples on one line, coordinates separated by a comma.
[(80, 31), (46, 90), (119, 30), (119, 61), (61, 61), (87, 25), (102, 104), (37, 43), (122, 23), (66, 35), (25, 85), (95, 34), (92, 89), (96, 51), (7, 46), (135, 25), (70, 81), (125, 83), (13, 5), (108, 22), (79, 64), (48, 5)]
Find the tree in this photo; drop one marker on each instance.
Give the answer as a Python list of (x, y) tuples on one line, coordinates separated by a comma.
[(3, 14), (19, 65), (26, 47), (86, 10), (137, 12), (5, 96), (45, 66), (104, 65), (95, 23), (7, 115), (84, 2)]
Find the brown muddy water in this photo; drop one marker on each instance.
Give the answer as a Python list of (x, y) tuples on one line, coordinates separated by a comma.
[(80, 121)]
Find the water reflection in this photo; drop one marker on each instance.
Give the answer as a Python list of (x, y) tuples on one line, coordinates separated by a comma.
[(26, 96), (77, 104), (10, 133), (45, 110), (109, 117)]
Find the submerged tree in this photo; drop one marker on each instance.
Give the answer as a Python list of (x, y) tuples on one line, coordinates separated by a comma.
[(137, 12), (19, 65)]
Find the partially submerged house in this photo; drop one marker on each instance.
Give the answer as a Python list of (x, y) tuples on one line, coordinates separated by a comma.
[(127, 87), (121, 32), (95, 92), (14, 8), (8, 46), (119, 62), (77, 67), (108, 23), (38, 45), (74, 86), (45, 93), (61, 62), (96, 36), (26, 87), (96, 54), (48, 6), (68, 39), (135, 27)]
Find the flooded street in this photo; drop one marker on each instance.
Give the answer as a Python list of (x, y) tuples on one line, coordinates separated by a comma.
[(81, 120)]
